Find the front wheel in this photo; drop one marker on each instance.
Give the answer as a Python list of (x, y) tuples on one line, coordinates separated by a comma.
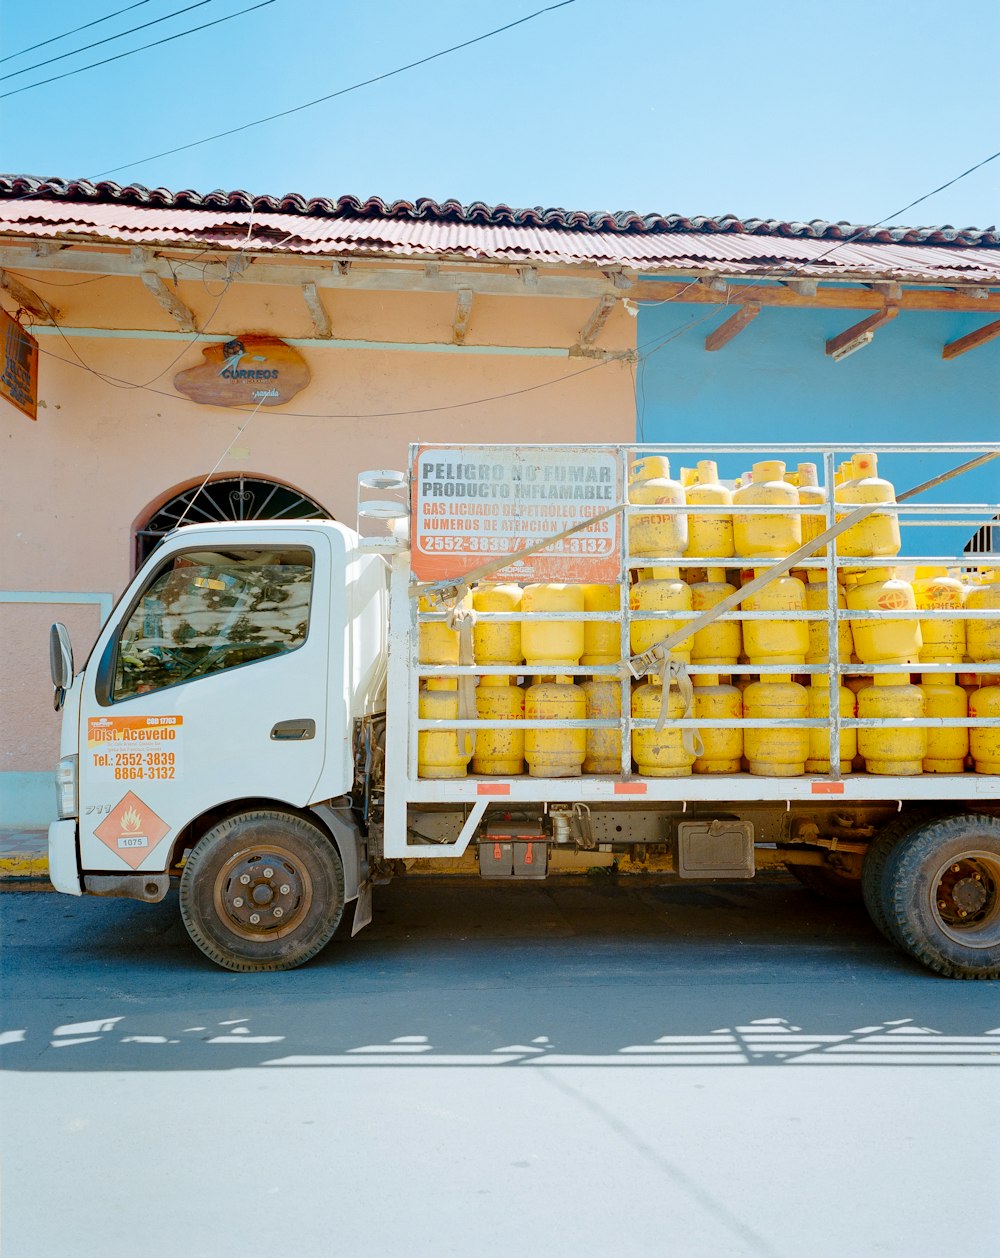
[(262, 890), (941, 895)]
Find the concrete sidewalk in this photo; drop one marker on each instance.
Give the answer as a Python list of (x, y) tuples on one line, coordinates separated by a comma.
[(23, 855)]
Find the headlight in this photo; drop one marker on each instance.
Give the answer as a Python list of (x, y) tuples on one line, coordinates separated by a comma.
[(66, 787)]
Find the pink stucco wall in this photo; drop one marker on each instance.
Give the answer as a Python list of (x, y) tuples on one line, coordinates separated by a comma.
[(100, 454)]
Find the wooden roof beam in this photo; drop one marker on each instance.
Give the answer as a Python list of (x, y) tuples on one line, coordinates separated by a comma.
[(972, 340), (317, 312), (733, 326), (594, 326), (170, 302), (804, 288), (463, 314), (28, 299), (860, 334)]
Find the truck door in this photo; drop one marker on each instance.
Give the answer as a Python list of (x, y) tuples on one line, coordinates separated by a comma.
[(208, 685)]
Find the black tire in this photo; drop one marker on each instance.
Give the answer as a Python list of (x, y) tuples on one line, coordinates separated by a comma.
[(275, 866), (941, 894), (830, 883), (883, 846)]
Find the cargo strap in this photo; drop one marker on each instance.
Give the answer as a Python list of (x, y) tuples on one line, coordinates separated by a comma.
[(462, 620), (674, 670)]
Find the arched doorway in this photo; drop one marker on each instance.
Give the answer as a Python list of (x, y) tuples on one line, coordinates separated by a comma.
[(226, 498)]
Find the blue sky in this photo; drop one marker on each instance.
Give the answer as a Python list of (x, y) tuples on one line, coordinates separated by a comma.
[(809, 110)]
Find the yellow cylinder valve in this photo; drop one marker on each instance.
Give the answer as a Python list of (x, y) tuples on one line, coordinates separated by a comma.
[(549, 644), (499, 751), (555, 752)]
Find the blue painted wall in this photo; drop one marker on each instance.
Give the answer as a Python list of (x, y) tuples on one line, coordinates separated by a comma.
[(774, 384)]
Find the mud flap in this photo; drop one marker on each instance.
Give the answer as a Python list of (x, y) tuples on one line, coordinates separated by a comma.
[(362, 908)]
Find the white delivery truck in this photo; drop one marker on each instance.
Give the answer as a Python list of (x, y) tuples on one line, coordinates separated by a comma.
[(281, 715)]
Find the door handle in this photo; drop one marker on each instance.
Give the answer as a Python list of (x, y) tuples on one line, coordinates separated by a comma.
[(294, 731)]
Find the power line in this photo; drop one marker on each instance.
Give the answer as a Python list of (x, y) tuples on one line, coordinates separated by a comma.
[(378, 78), (75, 31), (109, 39), (155, 44)]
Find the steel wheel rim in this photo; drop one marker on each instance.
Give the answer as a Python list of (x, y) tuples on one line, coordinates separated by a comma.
[(965, 899), (266, 882)]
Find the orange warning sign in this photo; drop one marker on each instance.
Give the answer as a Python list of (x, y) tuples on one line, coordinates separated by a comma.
[(131, 830), (473, 504)]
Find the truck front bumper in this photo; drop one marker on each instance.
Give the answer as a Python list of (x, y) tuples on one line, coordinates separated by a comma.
[(64, 865)]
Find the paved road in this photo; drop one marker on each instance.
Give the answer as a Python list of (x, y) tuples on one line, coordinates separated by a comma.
[(558, 1069)]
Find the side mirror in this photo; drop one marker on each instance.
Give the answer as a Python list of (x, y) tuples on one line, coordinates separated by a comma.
[(60, 662)]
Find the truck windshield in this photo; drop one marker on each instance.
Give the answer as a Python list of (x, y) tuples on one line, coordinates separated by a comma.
[(206, 611)]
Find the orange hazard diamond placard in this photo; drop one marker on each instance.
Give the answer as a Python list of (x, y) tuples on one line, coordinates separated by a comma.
[(131, 830)]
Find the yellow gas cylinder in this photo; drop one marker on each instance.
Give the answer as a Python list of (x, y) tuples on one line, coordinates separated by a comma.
[(659, 755), (710, 536), (602, 643), (776, 641), (985, 743), (555, 752), (883, 641), (983, 636), (715, 701), (877, 534), (440, 753), (774, 535), (436, 643), (811, 495), (943, 637), (890, 749), (604, 746), (549, 644), (721, 642), (496, 643), (650, 485), (499, 751), (819, 635), (819, 739), (689, 476), (663, 592), (857, 684), (946, 748), (775, 752)]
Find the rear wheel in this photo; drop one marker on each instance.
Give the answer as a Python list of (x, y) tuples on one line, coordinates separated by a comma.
[(877, 859), (262, 891), (941, 895)]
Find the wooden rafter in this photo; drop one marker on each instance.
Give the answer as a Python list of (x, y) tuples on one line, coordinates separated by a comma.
[(170, 302), (836, 344), (28, 299), (463, 313), (317, 311), (972, 340), (594, 326), (733, 326)]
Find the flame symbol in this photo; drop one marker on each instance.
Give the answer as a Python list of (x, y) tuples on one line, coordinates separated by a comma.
[(131, 821)]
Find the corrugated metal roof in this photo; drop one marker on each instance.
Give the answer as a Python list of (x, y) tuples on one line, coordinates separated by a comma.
[(291, 224)]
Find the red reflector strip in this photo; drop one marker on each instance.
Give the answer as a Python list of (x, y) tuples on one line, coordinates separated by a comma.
[(630, 788), (828, 788), (492, 788)]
